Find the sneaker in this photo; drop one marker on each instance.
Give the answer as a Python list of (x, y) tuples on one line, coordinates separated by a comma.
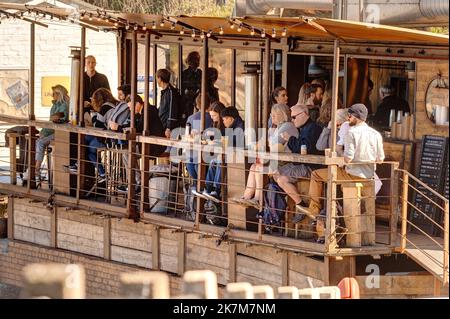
[(298, 218), (101, 179), (195, 193), (122, 189), (305, 210), (213, 196), (73, 168)]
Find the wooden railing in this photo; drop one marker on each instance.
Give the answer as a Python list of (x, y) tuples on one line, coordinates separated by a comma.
[(411, 183)]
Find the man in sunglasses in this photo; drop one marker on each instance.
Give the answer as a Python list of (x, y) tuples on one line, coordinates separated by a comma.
[(288, 175), (363, 146)]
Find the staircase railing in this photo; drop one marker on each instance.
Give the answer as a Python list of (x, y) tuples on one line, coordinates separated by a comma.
[(440, 203)]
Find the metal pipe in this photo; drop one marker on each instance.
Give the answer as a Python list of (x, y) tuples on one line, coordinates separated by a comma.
[(266, 84), (32, 68)]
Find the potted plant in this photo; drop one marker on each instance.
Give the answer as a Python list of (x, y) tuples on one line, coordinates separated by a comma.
[(3, 218)]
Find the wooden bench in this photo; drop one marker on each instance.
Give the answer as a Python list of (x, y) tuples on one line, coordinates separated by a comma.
[(359, 213)]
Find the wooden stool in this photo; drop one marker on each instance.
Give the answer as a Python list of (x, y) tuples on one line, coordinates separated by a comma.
[(359, 213)]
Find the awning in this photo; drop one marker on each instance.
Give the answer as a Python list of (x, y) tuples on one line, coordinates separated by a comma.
[(298, 27)]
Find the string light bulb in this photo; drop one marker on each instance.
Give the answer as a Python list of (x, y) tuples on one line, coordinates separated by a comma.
[(161, 24), (284, 33), (221, 31), (231, 25), (209, 34), (172, 26), (274, 33), (145, 26), (90, 17), (193, 34), (239, 29), (127, 27), (252, 32), (136, 27), (263, 33), (182, 31), (202, 35), (116, 24), (154, 25)]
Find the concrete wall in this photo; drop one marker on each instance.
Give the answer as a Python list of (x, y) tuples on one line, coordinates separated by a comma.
[(52, 52)]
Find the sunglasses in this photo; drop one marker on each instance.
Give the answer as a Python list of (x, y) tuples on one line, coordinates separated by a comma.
[(294, 116)]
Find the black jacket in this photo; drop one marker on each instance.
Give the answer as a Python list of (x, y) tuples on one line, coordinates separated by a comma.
[(391, 102), (308, 135), (91, 84), (155, 127), (170, 109)]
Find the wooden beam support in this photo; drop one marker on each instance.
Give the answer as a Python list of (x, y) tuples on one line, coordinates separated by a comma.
[(330, 231), (10, 217), (155, 248), (181, 253), (54, 227), (334, 96), (13, 158), (393, 218), (107, 238), (232, 267), (284, 269)]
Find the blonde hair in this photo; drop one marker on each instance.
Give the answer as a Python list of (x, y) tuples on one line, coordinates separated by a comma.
[(282, 109), (303, 95), (62, 94)]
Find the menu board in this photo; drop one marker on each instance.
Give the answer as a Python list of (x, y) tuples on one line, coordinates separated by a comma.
[(432, 169)]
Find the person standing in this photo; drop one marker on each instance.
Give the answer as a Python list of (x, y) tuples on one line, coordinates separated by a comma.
[(390, 101), (92, 81), (169, 108), (191, 80)]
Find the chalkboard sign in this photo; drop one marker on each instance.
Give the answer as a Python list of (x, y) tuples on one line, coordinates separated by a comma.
[(432, 169)]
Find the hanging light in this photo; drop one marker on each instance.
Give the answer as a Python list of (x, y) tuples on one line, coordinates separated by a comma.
[(284, 33), (145, 26), (239, 29), (90, 17), (252, 32), (263, 33), (182, 31), (221, 31), (154, 25), (313, 69), (161, 24), (172, 26), (193, 34), (202, 35), (136, 27), (127, 26), (209, 33), (231, 25), (274, 33), (116, 24)]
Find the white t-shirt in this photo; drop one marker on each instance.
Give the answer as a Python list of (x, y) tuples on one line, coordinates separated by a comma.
[(342, 133)]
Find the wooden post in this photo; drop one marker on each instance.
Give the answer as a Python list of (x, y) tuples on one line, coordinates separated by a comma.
[(352, 212), (393, 218), (80, 141), (131, 169), (201, 168), (54, 227), (13, 158), (145, 167), (233, 77), (266, 85), (107, 238), (330, 235), (155, 248), (284, 268), (10, 218), (31, 129), (445, 273), (181, 253), (232, 262), (405, 186), (334, 96)]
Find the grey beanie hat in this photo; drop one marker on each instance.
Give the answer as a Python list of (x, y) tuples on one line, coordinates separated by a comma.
[(358, 110)]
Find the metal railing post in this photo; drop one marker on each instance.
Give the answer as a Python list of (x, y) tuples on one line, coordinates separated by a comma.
[(445, 273), (405, 184)]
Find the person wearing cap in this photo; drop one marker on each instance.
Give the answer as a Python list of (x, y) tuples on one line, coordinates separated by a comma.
[(363, 144)]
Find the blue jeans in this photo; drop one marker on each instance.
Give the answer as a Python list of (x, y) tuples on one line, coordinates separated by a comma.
[(193, 171), (213, 176), (92, 145)]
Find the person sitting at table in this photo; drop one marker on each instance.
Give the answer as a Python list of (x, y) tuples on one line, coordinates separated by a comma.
[(155, 127), (213, 176), (281, 119), (309, 132), (102, 102), (123, 92), (59, 113)]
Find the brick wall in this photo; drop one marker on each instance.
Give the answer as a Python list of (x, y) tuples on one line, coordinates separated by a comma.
[(102, 277), (52, 52)]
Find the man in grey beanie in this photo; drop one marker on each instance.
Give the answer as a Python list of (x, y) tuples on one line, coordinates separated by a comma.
[(363, 147)]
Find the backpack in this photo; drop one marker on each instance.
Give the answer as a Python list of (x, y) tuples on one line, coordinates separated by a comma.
[(274, 205)]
